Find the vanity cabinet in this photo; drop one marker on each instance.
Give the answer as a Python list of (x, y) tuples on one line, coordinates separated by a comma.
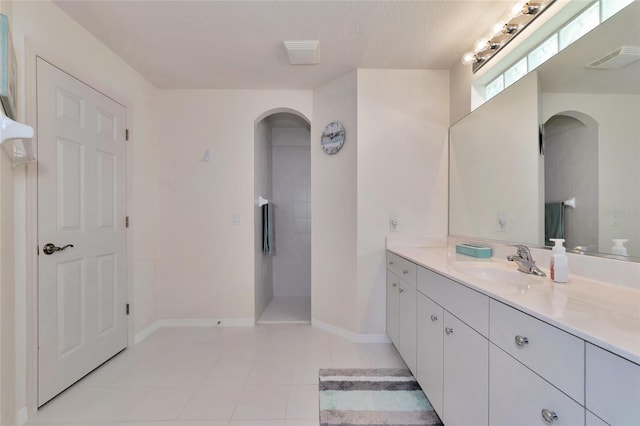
[(555, 355), (393, 308), (466, 371), (612, 387), (518, 396), (452, 356), (481, 361), (430, 350), (401, 307)]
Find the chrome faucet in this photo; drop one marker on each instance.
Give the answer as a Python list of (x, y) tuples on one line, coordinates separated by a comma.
[(525, 261)]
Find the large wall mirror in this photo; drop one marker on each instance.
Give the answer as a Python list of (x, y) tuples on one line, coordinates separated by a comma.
[(557, 154)]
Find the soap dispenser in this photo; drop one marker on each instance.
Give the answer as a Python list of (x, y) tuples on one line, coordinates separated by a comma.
[(618, 246), (559, 262)]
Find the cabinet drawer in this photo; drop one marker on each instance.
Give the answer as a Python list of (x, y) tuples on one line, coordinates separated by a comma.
[(612, 387), (470, 306), (517, 396), (554, 354), (401, 267)]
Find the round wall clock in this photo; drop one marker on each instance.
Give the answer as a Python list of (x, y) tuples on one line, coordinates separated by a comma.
[(332, 138)]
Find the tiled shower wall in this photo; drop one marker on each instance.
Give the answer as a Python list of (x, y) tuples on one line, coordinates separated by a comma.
[(292, 198)]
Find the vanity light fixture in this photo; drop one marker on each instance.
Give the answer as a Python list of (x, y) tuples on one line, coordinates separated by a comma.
[(519, 16)]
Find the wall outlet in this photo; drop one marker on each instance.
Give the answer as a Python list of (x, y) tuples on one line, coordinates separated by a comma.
[(394, 224), (236, 218)]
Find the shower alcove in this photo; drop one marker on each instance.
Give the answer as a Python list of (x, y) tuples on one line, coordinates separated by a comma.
[(282, 165)]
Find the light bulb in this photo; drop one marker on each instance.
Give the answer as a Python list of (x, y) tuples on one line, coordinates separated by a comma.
[(468, 58), (481, 44), (517, 9), (497, 28)]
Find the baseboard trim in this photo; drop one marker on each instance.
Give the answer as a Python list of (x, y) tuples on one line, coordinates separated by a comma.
[(249, 322), (193, 322), (145, 332), (22, 416), (354, 337)]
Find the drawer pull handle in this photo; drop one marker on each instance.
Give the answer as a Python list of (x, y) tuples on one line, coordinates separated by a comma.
[(448, 330), (434, 318), (401, 290), (549, 416), (391, 263), (521, 341), (404, 271), (395, 284)]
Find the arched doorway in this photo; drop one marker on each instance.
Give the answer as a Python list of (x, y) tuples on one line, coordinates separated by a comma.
[(282, 166), (571, 171)]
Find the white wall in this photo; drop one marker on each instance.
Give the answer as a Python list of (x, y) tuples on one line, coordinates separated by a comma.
[(403, 120), (208, 272), (334, 207), (39, 27), (262, 188), (7, 294), (619, 127), (292, 200), (393, 163)]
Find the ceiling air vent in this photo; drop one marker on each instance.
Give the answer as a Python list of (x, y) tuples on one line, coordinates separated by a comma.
[(303, 52), (621, 57)]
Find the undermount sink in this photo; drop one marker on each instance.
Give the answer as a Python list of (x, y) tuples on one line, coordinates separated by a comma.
[(498, 274)]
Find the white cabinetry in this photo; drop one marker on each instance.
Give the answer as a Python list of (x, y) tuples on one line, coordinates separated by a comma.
[(555, 355), (407, 324), (452, 356), (430, 350), (518, 396), (393, 308), (481, 361), (401, 307), (613, 387), (466, 374)]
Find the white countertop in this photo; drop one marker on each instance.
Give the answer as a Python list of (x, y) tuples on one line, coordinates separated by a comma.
[(604, 314)]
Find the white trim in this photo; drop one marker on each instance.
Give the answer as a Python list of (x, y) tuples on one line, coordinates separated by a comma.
[(354, 337), (193, 322), (22, 416), (145, 332)]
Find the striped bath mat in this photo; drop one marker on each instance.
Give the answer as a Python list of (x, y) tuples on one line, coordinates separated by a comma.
[(383, 396)]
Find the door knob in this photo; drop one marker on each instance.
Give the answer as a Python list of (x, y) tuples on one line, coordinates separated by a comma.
[(50, 248)]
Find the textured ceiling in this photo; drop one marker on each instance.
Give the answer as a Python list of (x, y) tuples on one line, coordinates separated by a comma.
[(238, 44)]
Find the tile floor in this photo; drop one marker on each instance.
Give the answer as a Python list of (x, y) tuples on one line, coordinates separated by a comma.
[(287, 310), (265, 375)]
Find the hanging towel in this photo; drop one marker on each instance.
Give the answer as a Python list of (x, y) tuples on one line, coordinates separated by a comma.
[(268, 229), (553, 221)]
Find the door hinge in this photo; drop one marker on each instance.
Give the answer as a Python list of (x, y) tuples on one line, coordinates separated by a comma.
[(38, 249), (126, 222), (126, 134), (127, 309)]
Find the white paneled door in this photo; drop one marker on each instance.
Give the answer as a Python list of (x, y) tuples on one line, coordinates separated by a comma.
[(81, 229)]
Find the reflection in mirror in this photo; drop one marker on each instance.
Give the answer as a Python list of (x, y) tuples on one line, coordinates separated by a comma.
[(591, 122), (587, 189)]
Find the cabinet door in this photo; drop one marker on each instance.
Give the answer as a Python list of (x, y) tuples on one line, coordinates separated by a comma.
[(407, 326), (518, 396), (613, 387), (393, 310), (429, 362), (466, 375)]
